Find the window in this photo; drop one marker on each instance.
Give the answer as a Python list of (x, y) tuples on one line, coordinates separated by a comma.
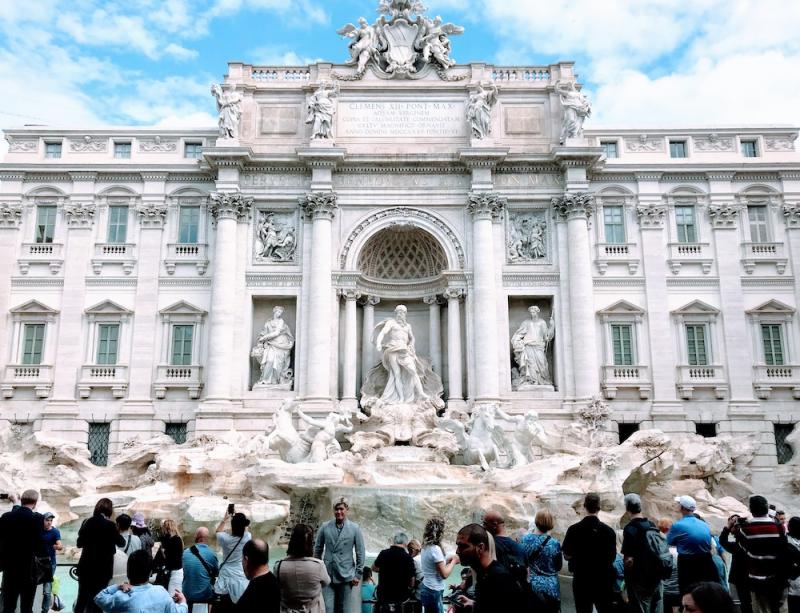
[(782, 431), (182, 336), (610, 148), (193, 151), (749, 149), (45, 223), (677, 149), (759, 228), (706, 430), (177, 431), (773, 344), (188, 224), (107, 343), (52, 151), (613, 216), (117, 224), (33, 343), (622, 343), (697, 344), (626, 430), (122, 151), (99, 435), (685, 220)]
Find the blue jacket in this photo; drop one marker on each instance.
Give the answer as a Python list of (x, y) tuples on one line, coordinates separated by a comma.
[(338, 550)]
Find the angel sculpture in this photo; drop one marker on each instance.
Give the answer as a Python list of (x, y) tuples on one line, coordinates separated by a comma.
[(402, 9), (229, 107), (479, 110), (434, 42), (366, 43)]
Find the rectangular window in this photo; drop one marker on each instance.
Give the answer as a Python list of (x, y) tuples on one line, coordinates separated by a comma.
[(33, 344), (677, 149), (610, 148), (626, 430), (697, 344), (122, 151), (613, 217), (687, 228), (622, 342), (52, 151), (177, 431), (117, 224), (749, 149), (706, 430), (773, 344), (188, 224), (107, 343), (45, 223), (182, 345), (759, 228), (99, 435), (782, 431), (193, 151)]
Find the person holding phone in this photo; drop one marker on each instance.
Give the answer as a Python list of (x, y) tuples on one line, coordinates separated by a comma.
[(231, 582)]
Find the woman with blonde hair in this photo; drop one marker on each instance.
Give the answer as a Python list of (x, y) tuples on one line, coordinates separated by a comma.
[(170, 556), (435, 567), (543, 553)]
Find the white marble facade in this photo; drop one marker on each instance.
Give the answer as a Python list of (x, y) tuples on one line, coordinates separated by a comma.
[(140, 265)]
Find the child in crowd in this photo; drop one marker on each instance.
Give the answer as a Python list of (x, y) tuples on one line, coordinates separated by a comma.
[(367, 590)]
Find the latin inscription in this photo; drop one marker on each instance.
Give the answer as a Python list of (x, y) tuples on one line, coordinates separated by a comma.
[(402, 119), (400, 180)]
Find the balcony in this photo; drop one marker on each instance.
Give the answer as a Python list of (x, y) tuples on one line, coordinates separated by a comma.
[(616, 253), (188, 377), (107, 376), (767, 378), (36, 376), (763, 253), (187, 253), (705, 377), (114, 253), (626, 377), (681, 254), (50, 254)]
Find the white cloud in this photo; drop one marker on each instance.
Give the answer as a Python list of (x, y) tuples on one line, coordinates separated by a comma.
[(279, 56)]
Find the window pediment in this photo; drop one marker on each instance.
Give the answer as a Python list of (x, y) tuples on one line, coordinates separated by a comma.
[(622, 307), (772, 307), (697, 307), (108, 307), (33, 307), (183, 308)]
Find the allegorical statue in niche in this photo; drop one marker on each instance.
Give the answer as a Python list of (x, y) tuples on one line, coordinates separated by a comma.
[(576, 108), (229, 107), (321, 109), (276, 242), (365, 43), (396, 341), (530, 343), (479, 110), (527, 238), (273, 351)]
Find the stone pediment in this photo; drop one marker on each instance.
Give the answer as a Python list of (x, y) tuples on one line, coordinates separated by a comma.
[(696, 307), (182, 308), (108, 307), (622, 307), (33, 307), (772, 307)]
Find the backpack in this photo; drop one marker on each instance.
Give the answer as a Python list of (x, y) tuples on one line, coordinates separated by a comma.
[(658, 562)]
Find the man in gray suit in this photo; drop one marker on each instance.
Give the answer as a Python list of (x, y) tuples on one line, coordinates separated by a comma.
[(338, 538)]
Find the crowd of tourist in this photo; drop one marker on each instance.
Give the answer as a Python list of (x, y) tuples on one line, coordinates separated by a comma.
[(667, 565)]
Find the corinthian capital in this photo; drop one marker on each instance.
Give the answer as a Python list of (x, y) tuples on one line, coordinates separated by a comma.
[(152, 214), (651, 215), (10, 214), (723, 215), (791, 213), (230, 205), (486, 205), (319, 205), (79, 214), (574, 205)]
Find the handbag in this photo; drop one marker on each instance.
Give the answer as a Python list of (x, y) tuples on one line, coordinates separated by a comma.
[(41, 569)]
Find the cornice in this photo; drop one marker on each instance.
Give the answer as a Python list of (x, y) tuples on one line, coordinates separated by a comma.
[(110, 282), (533, 279), (184, 282), (36, 282), (274, 279), (614, 282), (767, 282)]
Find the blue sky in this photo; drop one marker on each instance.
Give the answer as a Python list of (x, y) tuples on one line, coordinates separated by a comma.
[(644, 62)]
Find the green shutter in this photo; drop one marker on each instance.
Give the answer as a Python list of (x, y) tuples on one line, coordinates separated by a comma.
[(117, 224), (696, 345), (614, 224), (622, 341), (773, 344), (33, 343), (684, 219), (182, 345), (188, 224), (107, 345)]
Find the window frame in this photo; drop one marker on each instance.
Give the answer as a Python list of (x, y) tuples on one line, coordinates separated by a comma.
[(39, 208), (108, 326), (181, 313), (605, 145), (683, 142), (111, 223), (766, 222), (749, 141), (179, 237), (617, 325), (698, 312), (50, 154), (108, 312), (775, 313), (32, 312), (122, 143), (25, 340), (695, 219), (707, 349), (188, 144), (621, 225), (174, 339)]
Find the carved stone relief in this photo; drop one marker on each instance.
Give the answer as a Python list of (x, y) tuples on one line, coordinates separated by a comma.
[(157, 145), (779, 144), (526, 237), (713, 143), (89, 145), (275, 237), (644, 144), (20, 145)]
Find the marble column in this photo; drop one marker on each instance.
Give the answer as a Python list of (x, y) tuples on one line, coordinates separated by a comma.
[(321, 206), (435, 332), (484, 206), (576, 208), (454, 357), (227, 209), (368, 325), (350, 355)]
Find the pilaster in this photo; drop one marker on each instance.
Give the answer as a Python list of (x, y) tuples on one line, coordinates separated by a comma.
[(350, 353), (10, 221), (435, 331)]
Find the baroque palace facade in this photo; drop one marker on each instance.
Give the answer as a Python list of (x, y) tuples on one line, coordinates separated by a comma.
[(140, 265)]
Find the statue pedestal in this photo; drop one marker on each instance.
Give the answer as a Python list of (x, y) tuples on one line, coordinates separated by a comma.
[(272, 386), (227, 142)]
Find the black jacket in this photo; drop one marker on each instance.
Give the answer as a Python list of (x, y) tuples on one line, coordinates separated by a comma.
[(20, 539), (98, 538)]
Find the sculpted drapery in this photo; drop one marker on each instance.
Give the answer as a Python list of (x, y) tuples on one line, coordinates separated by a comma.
[(530, 343)]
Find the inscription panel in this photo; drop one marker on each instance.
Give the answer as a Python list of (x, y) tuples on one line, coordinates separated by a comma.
[(402, 119), (524, 119), (345, 180), (279, 119)]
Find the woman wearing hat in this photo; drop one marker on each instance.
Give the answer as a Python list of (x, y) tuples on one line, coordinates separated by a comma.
[(231, 582), (139, 528)]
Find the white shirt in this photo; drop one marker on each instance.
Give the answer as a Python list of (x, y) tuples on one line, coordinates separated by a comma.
[(431, 555)]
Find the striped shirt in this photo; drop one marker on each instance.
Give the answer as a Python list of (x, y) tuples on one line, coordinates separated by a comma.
[(763, 541)]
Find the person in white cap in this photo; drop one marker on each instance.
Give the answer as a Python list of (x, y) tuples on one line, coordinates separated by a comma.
[(692, 538)]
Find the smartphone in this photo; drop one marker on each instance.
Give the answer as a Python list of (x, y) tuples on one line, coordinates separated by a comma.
[(231, 509)]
